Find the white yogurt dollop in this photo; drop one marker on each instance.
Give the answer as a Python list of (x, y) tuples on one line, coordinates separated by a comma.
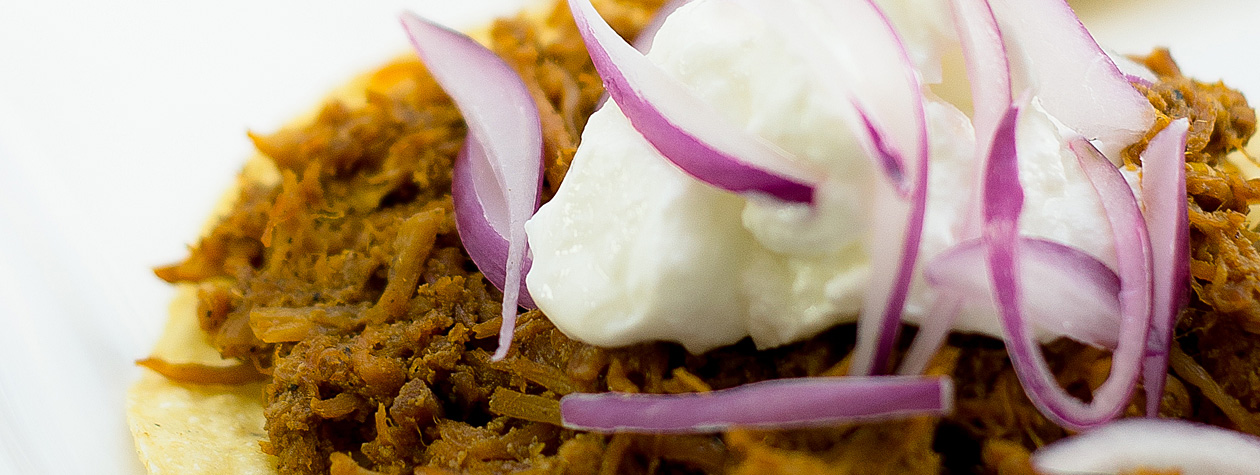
[(631, 249)]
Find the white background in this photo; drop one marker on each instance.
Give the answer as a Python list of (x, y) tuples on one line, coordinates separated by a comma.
[(122, 122)]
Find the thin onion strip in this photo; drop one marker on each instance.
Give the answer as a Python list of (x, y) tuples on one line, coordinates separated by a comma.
[(504, 143), (1167, 217), (891, 125), (1151, 445), (1075, 80), (1003, 204), (1056, 276), (685, 130), (782, 403)]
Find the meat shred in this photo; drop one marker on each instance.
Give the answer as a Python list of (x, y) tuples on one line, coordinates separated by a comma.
[(346, 284)]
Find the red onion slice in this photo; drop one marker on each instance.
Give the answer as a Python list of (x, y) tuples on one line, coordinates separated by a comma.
[(891, 125), (1003, 203), (932, 333), (781, 403), (989, 75), (895, 127), (687, 131), (886, 106), (1076, 81), (1167, 218), (890, 106), (1132, 246), (1157, 445), (1055, 277), (503, 148), (988, 70), (484, 243), (894, 250)]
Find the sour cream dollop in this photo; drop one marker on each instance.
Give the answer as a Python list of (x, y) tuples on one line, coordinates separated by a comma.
[(631, 249)]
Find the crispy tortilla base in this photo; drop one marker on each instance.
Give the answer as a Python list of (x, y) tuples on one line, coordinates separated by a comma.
[(207, 429), (201, 429), (191, 429)]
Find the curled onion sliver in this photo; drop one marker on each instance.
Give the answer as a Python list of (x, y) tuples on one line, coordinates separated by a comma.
[(502, 155), (1126, 445), (1003, 203), (688, 132), (893, 115), (894, 249), (1167, 219), (932, 333), (885, 105), (988, 70), (485, 244), (1059, 277), (989, 75), (1078, 84), (891, 125), (781, 403)]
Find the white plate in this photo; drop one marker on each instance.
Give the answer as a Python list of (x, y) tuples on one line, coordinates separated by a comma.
[(122, 122)]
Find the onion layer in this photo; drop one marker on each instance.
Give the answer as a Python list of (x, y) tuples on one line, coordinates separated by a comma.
[(1164, 200), (1157, 445), (685, 130), (890, 123), (1060, 277), (894, 122), (1076, 81), (781, 403), (989, 75), (498, 175), (1003, 204)]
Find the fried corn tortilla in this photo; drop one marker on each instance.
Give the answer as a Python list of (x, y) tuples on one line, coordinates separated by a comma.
[(211, 429), (203, 429), (183, 428)]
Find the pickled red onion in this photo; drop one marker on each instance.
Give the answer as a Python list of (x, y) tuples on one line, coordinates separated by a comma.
[(1003, 204), (1165, 210), (1064, 277), (685, 130), (1078, 84), (891, 125), (795, 402), (501, 158), (1153, 444)]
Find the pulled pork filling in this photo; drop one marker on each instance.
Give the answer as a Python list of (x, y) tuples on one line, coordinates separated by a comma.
[(345, 285)]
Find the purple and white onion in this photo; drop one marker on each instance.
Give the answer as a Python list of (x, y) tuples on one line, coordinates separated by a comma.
[(1077, 83), (1062, 277), (1159, 445), (891, 126), (687, 131), (780, 403), (1003, 205), (498, 174), (1165, 210)]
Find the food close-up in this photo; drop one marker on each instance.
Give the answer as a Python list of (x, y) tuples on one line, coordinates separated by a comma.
[(730, 236)]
